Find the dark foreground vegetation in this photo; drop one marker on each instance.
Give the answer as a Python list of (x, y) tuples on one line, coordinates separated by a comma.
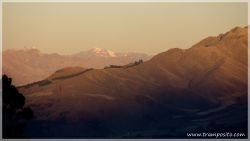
[(15, 115)]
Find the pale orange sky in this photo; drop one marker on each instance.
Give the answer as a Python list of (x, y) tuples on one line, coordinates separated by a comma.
[(152, 28)]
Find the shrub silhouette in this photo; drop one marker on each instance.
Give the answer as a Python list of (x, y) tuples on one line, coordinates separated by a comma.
[(13, 110), (125, 66)]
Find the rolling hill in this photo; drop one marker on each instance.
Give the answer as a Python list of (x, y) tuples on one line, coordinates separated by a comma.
[(200, 89)]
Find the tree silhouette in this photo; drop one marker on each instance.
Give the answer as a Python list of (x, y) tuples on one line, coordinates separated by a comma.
[(13, 110)]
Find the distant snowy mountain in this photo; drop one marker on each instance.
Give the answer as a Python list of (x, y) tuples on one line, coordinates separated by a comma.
[(100, 52), (96, 52)]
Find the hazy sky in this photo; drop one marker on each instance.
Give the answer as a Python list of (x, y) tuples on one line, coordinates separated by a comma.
[(152, 28)]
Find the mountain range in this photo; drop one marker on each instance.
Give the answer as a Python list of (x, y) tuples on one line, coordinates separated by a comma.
[(199, 89), (29, 64)]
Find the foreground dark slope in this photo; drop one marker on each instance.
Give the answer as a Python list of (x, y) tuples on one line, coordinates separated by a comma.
[(203, 88)]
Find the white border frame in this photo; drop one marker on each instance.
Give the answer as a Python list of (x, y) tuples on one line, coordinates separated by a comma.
[(121, 1)]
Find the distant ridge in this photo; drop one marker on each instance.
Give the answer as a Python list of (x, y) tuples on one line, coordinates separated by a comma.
[(28, 65)]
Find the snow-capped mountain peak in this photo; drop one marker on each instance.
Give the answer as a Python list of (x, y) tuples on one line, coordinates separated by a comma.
[(102, 52)]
